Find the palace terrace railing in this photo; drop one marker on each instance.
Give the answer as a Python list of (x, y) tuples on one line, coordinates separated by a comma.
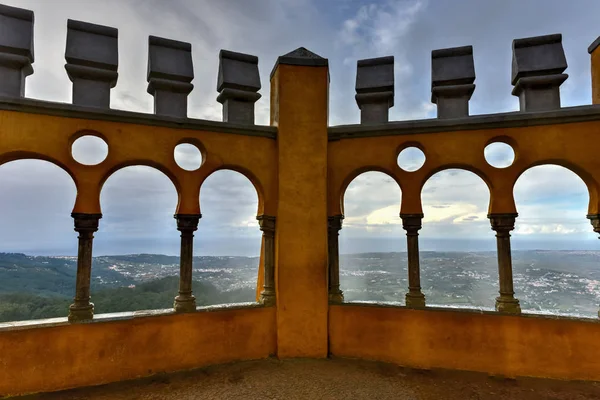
[(300, 168)]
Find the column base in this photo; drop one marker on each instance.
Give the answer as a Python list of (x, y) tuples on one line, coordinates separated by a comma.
[(184, 304), (415, 300), (508, 305), (81, 313), (336, 296), (267, 299)]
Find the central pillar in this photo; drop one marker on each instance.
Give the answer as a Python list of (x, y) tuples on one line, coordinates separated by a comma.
[(299, 106)]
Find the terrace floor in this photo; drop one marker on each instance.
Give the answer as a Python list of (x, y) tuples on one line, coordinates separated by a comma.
[(327, 379)]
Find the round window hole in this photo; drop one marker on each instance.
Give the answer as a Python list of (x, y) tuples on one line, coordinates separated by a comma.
[(411, 159), (499, 155), (89, 150), (188, 156)]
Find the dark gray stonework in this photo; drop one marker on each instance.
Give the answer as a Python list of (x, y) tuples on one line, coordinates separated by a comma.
[(238, 84), (187, 224), (537, 72), (170, 71), (375, 89), (452, 77), (301, 56), (92, 60), (16, 49), (594, 45)]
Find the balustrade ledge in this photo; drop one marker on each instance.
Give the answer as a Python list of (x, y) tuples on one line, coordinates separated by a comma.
[(119, 316), (491, 311), (73, 111), (514, 119)]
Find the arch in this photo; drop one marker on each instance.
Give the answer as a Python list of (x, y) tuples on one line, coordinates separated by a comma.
[(142, 163), (458, 262), (460, 166), (371, 225), (258, 187), (30, 155), (588, 180), (37, 197), (552, 219), (359, 171)]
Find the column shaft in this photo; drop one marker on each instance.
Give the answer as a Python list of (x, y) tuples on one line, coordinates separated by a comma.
[(334, 227), (267, 226), (412, 224), (503, 224), (185, 300), (85, 224)]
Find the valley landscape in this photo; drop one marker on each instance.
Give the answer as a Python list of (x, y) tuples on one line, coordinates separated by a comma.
[(547, 282)]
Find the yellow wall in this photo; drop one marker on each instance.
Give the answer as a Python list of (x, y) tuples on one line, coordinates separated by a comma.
[(467, 340), (301, 237), (60, 357), (563, 144), (596, 76)]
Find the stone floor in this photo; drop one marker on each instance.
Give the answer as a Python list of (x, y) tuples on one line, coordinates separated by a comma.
[(328, 379)]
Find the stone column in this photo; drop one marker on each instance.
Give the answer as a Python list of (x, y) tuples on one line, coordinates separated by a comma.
[(238, 84), (333, 230), (595, 221), (412, 223), (503, 224), (186, 224), (267, 226), (85, 224)]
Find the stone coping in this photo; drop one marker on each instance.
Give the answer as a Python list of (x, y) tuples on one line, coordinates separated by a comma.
[(516, 119), (473, 310), (68, 110), (119, 316)]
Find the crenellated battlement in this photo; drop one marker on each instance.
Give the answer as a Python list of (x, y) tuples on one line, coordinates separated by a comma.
[(92, 61)]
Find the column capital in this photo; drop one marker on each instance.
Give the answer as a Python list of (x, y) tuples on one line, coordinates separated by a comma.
[(86, 222), (595, 221), (187, 222), (267, 223), (411, 222), (503, 222), (334, 222)]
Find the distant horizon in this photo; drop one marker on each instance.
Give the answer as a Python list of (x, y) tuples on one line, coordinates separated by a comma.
[(250, 248)]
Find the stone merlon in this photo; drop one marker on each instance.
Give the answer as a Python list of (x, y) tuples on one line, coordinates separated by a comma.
[(16, 49), (375, 89), (92, 57), (537, 72), (238, 83), (170, 71), (452, 77)]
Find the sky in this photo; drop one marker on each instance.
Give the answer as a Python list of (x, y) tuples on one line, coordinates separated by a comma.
[(138, 202)]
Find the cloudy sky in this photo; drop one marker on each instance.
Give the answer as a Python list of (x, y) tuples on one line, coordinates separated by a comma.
[(138, 202)]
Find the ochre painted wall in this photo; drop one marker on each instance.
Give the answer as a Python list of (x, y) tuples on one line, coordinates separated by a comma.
[(467, 340), (52, 358), (301, 237), (596, 76), (563, 144), (24, 135)]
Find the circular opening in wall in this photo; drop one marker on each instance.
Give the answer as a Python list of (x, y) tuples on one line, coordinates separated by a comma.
[(499, 155), (188, 156), (89, 150), (411, 159)]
